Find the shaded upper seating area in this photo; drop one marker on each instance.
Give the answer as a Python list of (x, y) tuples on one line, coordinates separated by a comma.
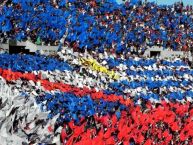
[(99, 25)]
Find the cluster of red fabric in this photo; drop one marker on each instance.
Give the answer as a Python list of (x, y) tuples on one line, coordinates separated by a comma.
[(12, 76), (82, 91), (49, 86), (165, 124)]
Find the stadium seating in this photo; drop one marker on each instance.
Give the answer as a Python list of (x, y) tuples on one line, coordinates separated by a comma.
[(98, 90), (99, 25), (79, 96)]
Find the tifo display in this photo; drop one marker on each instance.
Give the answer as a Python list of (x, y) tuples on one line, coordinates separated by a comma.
[(98, 88)]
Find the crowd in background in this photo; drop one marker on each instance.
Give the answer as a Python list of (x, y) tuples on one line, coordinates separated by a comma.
[(99, 25)]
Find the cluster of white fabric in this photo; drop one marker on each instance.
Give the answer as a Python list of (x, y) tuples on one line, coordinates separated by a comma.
[(22, 121)]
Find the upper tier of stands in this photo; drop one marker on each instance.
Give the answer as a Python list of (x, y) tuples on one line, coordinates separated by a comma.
[(98, 25)]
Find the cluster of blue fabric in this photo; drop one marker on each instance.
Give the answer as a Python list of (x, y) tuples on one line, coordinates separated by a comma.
[(29, 63), (70, 107), (113, 62), (119, 87), (163, 73), (88, 30), (122, 85)]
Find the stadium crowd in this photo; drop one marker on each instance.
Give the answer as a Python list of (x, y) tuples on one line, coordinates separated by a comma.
[(98, 25), (153, 107), (98, 89)]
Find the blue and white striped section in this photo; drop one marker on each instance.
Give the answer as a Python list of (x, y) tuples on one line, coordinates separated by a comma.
[(139, 77)]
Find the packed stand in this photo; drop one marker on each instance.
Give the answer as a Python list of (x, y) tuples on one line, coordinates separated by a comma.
[(94, 96), (97, 90), (99, 25)]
